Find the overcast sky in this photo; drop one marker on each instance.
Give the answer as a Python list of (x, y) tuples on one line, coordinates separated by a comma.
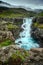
[(34, 4)]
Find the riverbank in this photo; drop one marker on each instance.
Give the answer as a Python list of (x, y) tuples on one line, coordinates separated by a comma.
[(9, 30), (14, 55)]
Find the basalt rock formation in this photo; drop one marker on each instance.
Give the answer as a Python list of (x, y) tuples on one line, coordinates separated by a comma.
[(37, 30)]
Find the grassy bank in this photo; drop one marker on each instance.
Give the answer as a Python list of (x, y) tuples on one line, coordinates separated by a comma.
[(16, 12)]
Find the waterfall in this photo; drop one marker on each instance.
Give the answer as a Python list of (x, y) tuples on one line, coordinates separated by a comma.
[(26, 41)]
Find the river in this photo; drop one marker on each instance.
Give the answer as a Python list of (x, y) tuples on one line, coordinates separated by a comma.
[(26, 41)]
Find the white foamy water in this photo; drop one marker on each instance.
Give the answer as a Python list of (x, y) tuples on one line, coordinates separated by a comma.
[(26, 41)]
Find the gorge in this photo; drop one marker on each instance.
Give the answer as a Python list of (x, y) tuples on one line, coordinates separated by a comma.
[(21, 32), (26, 41)]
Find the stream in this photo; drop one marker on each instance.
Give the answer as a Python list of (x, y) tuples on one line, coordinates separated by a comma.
[(26, 41)]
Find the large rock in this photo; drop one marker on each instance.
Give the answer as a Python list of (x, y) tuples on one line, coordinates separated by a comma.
[(6, 35), (6, 52), (12, 55), (35, 58)]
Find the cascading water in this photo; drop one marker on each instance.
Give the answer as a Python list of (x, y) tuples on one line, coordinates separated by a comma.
[(26, 41)]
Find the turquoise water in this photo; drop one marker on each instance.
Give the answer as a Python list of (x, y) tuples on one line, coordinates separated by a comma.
[(26, 41)]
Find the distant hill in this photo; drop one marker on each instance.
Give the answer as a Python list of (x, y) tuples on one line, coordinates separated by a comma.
[(38, 10), (15, 12)]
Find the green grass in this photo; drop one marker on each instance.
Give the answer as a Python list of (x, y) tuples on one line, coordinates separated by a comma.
[(38, 25), (18, 57), (11, 26), (16, 12), (21, 55), (12, 13), (5, 43)]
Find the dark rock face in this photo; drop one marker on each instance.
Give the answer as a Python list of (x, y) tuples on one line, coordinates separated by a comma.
[(40, 20), (37, 33)]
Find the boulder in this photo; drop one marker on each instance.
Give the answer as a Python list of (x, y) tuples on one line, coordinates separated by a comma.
[(6, 52), (35, 58), (12, 55), (6, 35)]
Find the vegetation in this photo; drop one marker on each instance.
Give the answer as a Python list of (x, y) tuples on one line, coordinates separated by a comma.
[(16, 12), (38, 25), (11, 26), (18, 57), (5, 43), (40, 14)]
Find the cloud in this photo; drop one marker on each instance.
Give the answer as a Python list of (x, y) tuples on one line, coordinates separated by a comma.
[(27, 3), (40, 2)]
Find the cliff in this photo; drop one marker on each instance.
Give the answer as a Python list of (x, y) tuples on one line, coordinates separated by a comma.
[(37, 30)]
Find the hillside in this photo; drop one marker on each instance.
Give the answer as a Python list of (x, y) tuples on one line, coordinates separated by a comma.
[(15, 12)]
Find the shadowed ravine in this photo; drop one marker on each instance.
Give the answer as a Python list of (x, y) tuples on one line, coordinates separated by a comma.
[(26, 41)]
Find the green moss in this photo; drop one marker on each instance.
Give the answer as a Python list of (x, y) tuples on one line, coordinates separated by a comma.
[(5, 43), (11, 26), (38, 25), (21, 55), (18, 56)]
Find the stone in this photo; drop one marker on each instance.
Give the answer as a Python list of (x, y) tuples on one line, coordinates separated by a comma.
[(6, 35), (37, 32), (36, 57)]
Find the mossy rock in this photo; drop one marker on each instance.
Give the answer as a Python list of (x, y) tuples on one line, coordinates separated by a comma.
[(11, 26), (21, 55), (18, 57)]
